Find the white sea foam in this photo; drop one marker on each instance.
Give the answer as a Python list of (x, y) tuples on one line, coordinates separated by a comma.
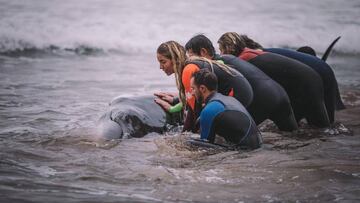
[(140, 26)]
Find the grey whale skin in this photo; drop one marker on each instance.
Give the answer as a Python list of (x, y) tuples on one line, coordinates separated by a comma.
[(133, 116)]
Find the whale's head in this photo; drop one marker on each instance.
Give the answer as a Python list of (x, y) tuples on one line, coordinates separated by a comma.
[(108, 129), (131, 117)]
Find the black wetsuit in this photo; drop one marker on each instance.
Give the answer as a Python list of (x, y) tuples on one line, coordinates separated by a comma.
[(331, 90), (302, 84), (226, 117), (234, 84), (270, 99)]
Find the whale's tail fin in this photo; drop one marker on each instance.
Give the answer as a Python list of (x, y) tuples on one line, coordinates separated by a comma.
[(328, 50)]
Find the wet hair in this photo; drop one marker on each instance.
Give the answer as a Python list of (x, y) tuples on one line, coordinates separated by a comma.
[(307, 50), (250, 43), (233, 43), (176, 53), (206, 78), (198, 42)]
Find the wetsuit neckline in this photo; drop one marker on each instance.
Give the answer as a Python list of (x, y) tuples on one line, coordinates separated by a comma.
[(211, 95), (253, 51)]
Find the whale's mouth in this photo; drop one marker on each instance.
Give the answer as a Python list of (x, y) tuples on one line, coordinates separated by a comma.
[(127, 123), (134, 126)]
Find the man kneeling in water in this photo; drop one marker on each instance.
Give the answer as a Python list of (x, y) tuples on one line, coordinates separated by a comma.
[(222, 115)]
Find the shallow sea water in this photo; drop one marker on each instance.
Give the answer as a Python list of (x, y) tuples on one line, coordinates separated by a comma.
[(53, 90)]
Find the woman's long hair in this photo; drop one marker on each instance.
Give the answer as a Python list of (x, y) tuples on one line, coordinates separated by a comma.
[(249, 43), (233, 43), (177, 54)]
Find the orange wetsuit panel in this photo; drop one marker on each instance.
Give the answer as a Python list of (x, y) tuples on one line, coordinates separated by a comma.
[(248, 54), (186, 76), (231, 93)]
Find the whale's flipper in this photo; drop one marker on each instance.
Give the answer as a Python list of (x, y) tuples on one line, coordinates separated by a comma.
[(328, 50)]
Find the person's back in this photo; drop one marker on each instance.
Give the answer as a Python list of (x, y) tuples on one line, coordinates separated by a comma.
[(302, 84), (230, 83), (270, 99), (331, 90), (229, 119), (222, 115)]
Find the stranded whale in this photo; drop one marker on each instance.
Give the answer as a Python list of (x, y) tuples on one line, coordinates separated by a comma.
[(132, 117)]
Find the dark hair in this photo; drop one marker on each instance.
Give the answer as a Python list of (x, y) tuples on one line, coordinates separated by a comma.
[(250, 43), (198, 42), (206, 78), (307, 50)]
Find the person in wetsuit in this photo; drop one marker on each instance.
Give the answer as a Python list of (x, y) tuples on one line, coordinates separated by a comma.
[(332, 97), (302, 84), (222, 115), (172, 59), (270, 99)]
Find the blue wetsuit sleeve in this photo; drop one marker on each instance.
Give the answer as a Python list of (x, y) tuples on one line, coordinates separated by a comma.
[(207, 117)]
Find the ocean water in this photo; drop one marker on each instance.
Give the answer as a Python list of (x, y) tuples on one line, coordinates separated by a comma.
[(140, 26), (62, 62)]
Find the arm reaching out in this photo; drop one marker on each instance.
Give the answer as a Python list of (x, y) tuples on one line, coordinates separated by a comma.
[(166, 96)]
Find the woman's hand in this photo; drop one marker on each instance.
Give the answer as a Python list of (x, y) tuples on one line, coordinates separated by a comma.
[(166, 96), (163, 104)]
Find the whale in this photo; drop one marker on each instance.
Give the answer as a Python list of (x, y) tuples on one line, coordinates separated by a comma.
[(134, 116)]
